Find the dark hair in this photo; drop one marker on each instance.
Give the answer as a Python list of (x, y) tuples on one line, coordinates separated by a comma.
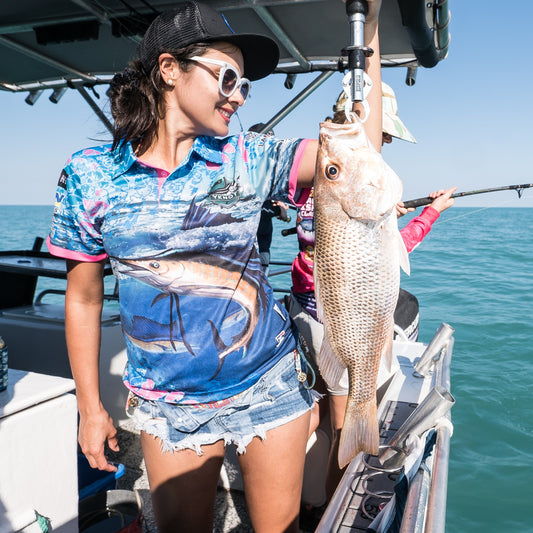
[(136, 98)]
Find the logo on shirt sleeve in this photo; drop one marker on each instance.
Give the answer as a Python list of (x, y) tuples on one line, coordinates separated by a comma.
[(62, 180)]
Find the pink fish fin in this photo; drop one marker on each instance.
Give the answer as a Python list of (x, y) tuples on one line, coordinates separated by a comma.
[(403, 255), (360, 432), (331, 369), (386, 356), (319, 308)]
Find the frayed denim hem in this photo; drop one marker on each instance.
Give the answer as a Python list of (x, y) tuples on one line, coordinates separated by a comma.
[(158, 428)]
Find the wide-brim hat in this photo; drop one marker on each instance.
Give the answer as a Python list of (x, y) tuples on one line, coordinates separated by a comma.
[(194, 22), (392, 123)]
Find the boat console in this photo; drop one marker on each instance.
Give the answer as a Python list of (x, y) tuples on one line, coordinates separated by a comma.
[(33, 325)]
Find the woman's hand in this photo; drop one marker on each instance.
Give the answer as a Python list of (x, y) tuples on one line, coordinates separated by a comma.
[(442, 199), (94, 432), (373, 11), (401, 210)]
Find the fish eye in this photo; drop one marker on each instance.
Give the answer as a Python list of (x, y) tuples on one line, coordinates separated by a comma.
[(332, 172), (155, 264)]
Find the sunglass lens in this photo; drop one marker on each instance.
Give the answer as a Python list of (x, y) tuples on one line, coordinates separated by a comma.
[(228, 82), (245, 89)]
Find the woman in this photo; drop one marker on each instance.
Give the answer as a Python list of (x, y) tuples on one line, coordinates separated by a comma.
[(212, 357)]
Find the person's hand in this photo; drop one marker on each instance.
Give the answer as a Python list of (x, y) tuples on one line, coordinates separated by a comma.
[(401, 210), (283, 207), (442, 199), (373, 11), (94, 431)]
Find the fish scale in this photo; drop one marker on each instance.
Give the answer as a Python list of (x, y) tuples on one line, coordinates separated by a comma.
[(357, 273)]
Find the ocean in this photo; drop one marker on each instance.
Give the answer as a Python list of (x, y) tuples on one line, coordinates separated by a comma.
[(474, 271)]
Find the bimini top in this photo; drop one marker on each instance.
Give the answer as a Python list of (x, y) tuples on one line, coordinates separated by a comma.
[(62, 43)]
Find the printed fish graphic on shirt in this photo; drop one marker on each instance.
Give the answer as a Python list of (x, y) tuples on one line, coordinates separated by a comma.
[(199, 275), (203, 275)]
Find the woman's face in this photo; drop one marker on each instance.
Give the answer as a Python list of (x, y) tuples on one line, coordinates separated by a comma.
[(201, 108)]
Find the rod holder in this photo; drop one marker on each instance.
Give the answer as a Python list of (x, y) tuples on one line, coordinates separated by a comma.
[(33, 96), (410, 78), (433, 407), (433, 350), (57, 94)]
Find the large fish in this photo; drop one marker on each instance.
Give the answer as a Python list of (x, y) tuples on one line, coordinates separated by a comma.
[(358, 255)]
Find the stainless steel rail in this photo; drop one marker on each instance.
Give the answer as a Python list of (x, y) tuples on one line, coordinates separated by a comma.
[(425, 510)]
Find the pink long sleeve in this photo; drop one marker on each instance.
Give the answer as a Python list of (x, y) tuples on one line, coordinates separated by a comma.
[(417, 228)]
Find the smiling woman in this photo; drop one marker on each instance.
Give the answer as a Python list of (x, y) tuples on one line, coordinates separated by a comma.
[(175, 203)]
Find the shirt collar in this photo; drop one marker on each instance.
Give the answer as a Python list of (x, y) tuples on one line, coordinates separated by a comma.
[(124, 159), (206, 147)]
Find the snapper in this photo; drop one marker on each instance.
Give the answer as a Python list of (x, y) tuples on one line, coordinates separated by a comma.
[(358, 254)]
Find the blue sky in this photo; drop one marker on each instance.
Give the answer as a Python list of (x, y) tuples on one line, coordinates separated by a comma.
[(472, 116)]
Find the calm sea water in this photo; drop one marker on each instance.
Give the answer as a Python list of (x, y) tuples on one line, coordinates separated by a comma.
[(474, 271)]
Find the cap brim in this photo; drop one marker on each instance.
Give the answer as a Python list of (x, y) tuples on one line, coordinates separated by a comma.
[(395, 127), (260, 53)]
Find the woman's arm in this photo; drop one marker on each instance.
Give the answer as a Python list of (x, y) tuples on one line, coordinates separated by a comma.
[(83, 309)]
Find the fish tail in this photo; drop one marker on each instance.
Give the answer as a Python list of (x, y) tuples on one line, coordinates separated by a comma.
[(360, 432)]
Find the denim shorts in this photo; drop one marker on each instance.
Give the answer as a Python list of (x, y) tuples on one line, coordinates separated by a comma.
[(277, 398)]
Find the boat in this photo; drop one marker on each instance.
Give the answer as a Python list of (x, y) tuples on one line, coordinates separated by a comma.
[(50, 48)]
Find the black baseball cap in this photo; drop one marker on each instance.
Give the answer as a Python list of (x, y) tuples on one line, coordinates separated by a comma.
[(194, 22)]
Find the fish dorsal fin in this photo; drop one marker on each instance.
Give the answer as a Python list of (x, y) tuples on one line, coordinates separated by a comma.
[(403, 255)]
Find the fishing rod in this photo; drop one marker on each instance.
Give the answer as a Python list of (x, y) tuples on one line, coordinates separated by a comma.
[(427, 200), (418, 202)]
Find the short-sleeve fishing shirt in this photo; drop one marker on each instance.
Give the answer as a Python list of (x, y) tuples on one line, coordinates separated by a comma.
[(199, 317)]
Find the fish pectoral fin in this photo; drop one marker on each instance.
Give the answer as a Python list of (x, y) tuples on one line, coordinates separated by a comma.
[(331, 369), (403, 255), (220, 346), (360, 431), (159, 297), (318, 301), (386, 356)]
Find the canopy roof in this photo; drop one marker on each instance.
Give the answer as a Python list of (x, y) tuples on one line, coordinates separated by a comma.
[(60, 43)]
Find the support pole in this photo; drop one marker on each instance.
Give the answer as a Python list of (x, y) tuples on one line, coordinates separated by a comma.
[(356, 11)]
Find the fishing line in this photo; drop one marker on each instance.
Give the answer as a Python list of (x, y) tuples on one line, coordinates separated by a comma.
[(236, 114), (461, 216), (472, 212)]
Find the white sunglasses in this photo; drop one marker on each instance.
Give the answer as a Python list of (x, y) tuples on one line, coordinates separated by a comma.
[(229, 80)]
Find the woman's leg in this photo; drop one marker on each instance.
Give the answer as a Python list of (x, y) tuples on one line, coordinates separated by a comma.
[(183, 485), (272, 471)]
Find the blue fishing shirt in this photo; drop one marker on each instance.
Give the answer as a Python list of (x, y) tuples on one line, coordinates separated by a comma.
[(199, 317)]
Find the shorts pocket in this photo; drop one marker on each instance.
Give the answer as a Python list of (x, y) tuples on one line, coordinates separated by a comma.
[(186, 419)]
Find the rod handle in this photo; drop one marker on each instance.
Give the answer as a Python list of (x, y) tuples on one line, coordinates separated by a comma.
[(290, 231), (418, 202)]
